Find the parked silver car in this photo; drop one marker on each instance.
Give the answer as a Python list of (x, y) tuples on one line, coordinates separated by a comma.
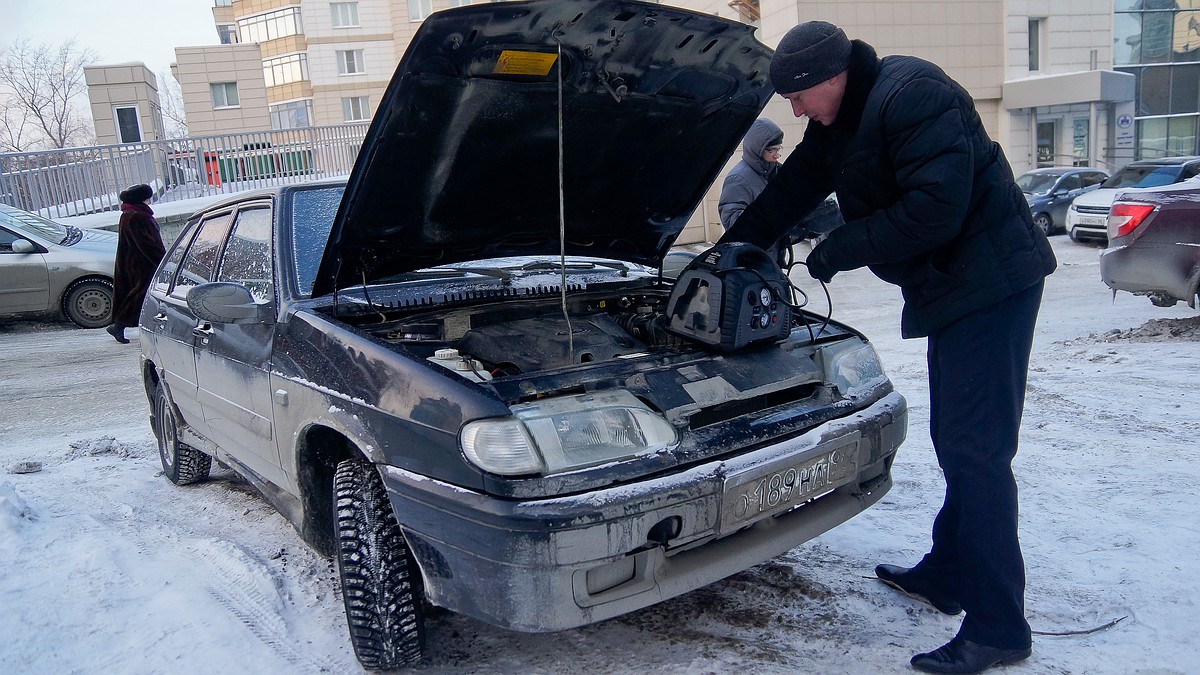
[(47, 268)]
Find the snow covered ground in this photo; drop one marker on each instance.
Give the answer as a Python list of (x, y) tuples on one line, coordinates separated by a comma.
[(105, 567)]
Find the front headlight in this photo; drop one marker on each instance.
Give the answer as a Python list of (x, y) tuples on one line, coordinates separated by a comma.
[(852, 366), (570, 432)]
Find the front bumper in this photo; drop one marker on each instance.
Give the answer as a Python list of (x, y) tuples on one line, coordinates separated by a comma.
[(551, 564)]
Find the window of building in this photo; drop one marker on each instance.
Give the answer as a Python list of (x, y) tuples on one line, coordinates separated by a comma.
[(1047, 143), (459, 3), (224, 94), (1154, 91), (344, 14), (223, 3), (1035, 44), (129, 128), (292, 115), (355, 109), (350, 61), (285, 69), (227, 33), (1080, 138), (418, 10), (270, 26), (1185, 88)]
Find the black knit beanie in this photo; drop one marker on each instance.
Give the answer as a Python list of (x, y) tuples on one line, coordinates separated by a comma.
[(136, 194), (808, 55)]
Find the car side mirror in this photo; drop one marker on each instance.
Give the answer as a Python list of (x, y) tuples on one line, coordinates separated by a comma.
[(23, 246), (225, 302)]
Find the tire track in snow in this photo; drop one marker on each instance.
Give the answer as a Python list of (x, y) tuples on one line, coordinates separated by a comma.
[(244, 587)]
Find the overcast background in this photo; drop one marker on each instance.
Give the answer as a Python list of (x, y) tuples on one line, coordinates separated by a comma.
[(118, 31)]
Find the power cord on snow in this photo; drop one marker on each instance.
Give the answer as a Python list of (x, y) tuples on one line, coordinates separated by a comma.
[(1049, 633)]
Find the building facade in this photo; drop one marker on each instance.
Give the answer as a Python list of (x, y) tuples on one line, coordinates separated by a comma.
[(1158, 41), (124, 103)]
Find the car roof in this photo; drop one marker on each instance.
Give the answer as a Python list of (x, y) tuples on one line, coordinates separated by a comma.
[(270, 192), (1165, 161)]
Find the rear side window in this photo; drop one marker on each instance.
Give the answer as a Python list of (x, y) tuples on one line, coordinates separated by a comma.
[(166, 273), (1093, 178), (1072, 182), (200, 261)]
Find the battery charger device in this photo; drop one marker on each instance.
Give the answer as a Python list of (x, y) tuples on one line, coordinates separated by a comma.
[(731, 296)]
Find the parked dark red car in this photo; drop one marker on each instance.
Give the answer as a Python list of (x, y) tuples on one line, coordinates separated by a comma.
[(1154, 243)]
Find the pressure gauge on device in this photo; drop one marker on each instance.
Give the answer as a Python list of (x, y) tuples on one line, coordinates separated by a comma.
[(765, 295)]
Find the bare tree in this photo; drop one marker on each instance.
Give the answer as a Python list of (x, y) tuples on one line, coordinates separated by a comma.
[(170, 98), (42, 87)]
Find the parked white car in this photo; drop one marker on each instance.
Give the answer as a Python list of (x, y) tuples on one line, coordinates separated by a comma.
[(1087, 219)]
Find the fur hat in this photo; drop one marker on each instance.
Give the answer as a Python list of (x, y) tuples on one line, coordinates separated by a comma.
[(136, 194), (808, 55)]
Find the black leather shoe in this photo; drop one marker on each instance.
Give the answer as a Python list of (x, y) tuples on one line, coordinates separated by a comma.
[(118, 333), (902, 579), (964, 656)]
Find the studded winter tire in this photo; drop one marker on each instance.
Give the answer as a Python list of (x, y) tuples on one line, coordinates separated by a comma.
[(182, 464), (381, 584)]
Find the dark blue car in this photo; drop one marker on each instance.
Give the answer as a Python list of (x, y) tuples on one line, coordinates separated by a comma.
[(1051, 190), (450, 371)]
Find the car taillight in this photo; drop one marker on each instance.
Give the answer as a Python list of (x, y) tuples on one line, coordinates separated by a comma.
[(1124, 218)]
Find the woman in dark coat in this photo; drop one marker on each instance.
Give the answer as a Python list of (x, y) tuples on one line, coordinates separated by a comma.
[(139, 250)]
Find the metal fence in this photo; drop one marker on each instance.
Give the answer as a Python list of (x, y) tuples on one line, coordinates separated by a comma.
[(77, 181)]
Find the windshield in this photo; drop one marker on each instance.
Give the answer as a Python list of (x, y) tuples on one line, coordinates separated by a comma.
[(35, 225), (1143, 177), (1036, 183)]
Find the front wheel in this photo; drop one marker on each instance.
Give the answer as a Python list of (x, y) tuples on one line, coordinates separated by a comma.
[(88, 303), (182, 464), (381, 584), (1044, 223)]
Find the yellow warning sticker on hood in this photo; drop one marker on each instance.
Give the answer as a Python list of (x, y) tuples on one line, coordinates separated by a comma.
[(524, 63)]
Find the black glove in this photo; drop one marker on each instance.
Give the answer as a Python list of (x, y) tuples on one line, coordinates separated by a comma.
[(818, 267)]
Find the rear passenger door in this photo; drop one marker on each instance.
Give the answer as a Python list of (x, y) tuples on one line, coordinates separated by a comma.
[(173, 324)]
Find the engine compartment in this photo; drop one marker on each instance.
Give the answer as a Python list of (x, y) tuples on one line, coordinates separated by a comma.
[(517, 337)]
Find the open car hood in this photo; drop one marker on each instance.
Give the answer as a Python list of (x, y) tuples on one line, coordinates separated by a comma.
[(461, 161)]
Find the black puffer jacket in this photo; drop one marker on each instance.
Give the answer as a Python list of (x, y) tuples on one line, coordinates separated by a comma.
[(929, 199)]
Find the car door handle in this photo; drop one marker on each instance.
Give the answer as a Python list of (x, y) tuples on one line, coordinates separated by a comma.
[(204, 330), (161, 317)]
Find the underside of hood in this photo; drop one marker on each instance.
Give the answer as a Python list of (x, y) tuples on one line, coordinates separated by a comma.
[(640, 104)]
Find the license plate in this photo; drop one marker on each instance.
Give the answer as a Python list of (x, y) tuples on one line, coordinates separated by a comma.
[(1096, 222), (785, 484)]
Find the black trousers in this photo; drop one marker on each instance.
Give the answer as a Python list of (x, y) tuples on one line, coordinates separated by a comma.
[(977, 373)]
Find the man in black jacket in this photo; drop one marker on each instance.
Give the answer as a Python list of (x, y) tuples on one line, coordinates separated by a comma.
[(930, 205)]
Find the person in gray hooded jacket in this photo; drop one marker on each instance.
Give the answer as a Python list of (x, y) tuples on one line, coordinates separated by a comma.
[(761, 150), (760, 158)]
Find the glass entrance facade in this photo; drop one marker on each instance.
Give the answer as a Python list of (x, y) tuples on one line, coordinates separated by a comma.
[(1159, 42)]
